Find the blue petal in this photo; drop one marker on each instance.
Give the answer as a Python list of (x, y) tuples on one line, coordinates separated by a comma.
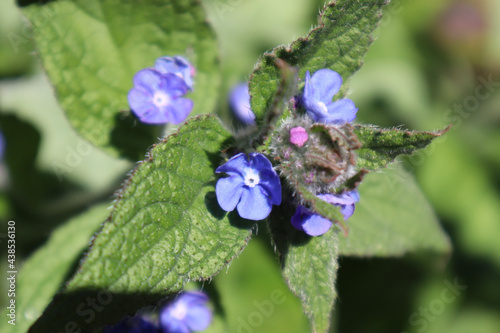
[(354, 194), (229, 191), (310, 101), (316, 113), (179, 109), (259, 162), (347, 210), (311, 224), (198, 318), (337, 199), (299, 215), (154, 117), (173, 325), (345, 201), (173, 85), (323, 85), (316, 225), (269, 179), (235, 165), (308, 89), (148, 80), (166, 65), (341, 112), (254, 204), (271, 184), (176, 65), (141, 102), (239, 99), (192, 297)]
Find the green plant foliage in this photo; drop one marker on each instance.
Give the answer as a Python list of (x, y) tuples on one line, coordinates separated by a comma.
[(393, 217), (309, 264), (310, 268), (381, 145), (253, 287), (166, 229), (45, 271), (91, 50), (339, 43)]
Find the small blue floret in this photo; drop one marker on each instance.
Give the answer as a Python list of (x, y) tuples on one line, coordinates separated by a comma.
[(177, 65), (156, 98), (188, 313), (253, 186), (316, 225), (317, 98), (239, 100)]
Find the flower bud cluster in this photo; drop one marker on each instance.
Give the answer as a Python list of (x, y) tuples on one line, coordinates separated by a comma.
[(314, 151), (324, 162)]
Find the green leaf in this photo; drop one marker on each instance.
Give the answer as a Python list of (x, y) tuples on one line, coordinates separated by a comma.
[(381, 146), (309, 265), (166, 229), (44, 272), (339, 43), (310, 270), (392, 218), (91, 50)]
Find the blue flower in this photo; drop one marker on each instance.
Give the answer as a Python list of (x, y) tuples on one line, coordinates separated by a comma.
[(156, 98), (317, 98), (177, 65), (186, 314), (315, 224), (239, 100), (132, 325), (253, 186)]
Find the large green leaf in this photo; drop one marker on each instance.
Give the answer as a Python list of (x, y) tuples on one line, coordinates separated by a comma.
[(310, 270), (309, 264), (339, 43), (45, 271), (166, 229), (91, 50), (381, 146), (392, 218)]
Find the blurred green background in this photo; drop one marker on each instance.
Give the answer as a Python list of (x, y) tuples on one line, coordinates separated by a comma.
[(433, 62)]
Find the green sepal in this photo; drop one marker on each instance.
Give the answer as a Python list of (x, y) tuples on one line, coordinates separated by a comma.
[(381, 146)]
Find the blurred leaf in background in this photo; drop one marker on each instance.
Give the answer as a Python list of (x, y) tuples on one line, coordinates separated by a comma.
[(429, 67)]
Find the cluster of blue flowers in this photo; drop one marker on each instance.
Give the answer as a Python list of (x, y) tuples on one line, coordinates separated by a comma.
[(187, 313), (157, 95), (253, 185)]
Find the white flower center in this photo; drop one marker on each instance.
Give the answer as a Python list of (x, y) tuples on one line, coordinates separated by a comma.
[(323, 107), (251, 178), (161, 99), (179, 311)]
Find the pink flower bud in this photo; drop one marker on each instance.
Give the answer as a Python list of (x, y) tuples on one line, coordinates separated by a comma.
[(298, 136)]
